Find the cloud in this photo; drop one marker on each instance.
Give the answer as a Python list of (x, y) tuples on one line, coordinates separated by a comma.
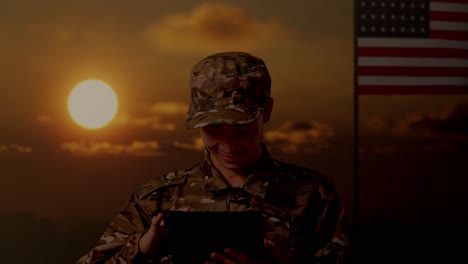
[(136, 148), (15, 148), (453, 121), (444, 131), (152, 122), (197, 144), (148, 116), (168, 108), (212, 26), (300, 136), (151, 116)]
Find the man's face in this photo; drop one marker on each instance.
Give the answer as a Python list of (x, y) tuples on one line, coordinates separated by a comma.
[(235, 147)]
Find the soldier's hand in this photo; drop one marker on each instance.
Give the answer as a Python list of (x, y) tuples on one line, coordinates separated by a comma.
[(154, 241)]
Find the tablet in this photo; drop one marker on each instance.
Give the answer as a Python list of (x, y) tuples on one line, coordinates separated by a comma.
[(193, 236)]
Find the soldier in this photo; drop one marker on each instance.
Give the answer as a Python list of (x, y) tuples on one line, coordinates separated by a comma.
[(303, 219)]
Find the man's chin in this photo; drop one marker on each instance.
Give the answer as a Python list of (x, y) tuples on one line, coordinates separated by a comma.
[(233, 165), (231, 162), (234, 160)]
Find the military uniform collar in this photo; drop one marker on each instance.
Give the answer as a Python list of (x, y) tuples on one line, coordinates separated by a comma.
[(256, 182)]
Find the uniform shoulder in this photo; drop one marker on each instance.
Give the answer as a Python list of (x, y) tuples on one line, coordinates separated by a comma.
[(306, 176), (168, 180)]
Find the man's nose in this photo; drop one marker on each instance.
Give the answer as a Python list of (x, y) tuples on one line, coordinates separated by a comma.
[(230, 145)]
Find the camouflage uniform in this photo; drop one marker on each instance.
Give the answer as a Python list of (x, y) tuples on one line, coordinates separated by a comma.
[(303, 219), (228, 88)]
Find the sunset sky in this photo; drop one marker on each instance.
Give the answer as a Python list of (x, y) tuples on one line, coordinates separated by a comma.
[(62, 183)]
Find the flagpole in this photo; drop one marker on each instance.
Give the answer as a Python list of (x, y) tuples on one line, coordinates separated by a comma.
[(356, 191)]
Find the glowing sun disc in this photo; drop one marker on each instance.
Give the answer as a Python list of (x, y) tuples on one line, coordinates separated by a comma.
[(92, 104)]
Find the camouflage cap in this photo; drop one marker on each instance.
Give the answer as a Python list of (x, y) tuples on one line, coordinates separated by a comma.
[(228, 88)]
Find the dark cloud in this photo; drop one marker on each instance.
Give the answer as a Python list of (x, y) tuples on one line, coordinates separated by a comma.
[(297, 136), (219, 21), (455, 122), (168, 108), (135, 148), (151, 116), (299, 125), (442, 132), (15, 148), (196, 144), (215, 25), (143, 121)]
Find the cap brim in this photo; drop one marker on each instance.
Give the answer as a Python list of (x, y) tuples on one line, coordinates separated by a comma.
[(220, 116)]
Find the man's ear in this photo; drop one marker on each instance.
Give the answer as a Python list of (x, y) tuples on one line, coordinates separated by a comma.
[(268, 110)]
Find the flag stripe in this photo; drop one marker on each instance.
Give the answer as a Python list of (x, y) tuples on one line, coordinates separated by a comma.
[(396, 90), (457, 35), (450, 1), (448, 16), (412, 52), (412, 71), (450, 26), (449, 7), (405, 60), (412, 43), (403, 80), (414, 62)]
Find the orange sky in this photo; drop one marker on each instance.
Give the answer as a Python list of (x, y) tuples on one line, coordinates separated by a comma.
[(53, 169), (146, 51)]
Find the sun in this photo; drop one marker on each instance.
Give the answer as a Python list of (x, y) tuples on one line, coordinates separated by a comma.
[(92, 104)]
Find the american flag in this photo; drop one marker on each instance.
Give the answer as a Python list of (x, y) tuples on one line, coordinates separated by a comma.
[(412, 46)]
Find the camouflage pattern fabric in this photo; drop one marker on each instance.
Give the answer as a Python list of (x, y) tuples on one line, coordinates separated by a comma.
[(303, 217), (228, 88)]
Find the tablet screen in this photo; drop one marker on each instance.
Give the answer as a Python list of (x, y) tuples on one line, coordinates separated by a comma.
[(193, 236)]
